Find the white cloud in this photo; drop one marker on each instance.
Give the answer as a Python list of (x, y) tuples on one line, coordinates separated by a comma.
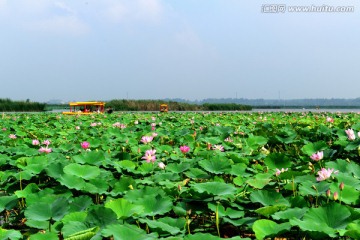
[(188, 38), (149, 9), (59, 25), (55, 17), (134, 10), (115, 11)]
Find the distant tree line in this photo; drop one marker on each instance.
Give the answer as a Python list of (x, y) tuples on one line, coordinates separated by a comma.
[(7, 105), (154, 105), (282, 103)]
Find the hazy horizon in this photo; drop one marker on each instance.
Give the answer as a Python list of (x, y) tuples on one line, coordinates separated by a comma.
[(193, 50)]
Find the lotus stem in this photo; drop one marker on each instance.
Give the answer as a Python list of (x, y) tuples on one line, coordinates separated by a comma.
[(217, 219)]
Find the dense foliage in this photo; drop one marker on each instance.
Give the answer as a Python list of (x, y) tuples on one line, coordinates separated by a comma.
[(154, 105), (224, 107), (189, 176), (7, 105)]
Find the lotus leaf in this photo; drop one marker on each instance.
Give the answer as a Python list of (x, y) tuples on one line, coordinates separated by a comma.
[(264, 228)]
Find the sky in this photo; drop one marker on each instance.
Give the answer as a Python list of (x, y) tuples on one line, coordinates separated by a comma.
[(80, 50)]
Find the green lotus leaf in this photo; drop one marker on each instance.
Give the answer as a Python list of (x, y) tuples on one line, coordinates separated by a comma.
[(80, 203), (260, 180), (72, 181), (348, 180), (226, 212), (91, 158), (123, 208), (256, 141), (8, 202), (266, 228), (127, 165), (239, 181), (208, 236), (277, 160), (100, 216), (353, 230), (155, 205), (341, 165), (155, 224), (349, 195), (268, 198), (46, 195), (314, 188), (215, 188), (55, 169), (84, 171), (45, 211), (290, 213), (269, 210), (10, 234), (196, 173), (88, 233), (136, 194), (127, 232), (216, 165), (145, 168), (311, 148), (74, 217), (73, 227), (124, 184), (45, 236), (327, 219), (29, 189), (286, 140), (238, 158), (247, 221), (177, 167), (238, 169)]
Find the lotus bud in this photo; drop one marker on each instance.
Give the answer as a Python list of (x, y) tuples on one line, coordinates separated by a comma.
[(265, 151), (328, 193), (336, 196), (341, 186)]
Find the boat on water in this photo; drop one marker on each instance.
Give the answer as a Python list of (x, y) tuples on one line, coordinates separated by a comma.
[(85, 108)]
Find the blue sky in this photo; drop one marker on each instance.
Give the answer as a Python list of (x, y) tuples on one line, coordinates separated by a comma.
[(190, 49)]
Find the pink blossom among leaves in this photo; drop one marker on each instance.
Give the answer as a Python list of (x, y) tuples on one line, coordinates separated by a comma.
[(324, 174), (317, 156), (184, 149)]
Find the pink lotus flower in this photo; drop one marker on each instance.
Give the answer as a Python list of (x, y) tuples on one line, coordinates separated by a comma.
[(350, 133), (45, 150), (317, 156), (35, 142), (77, 127), (228, 139), (278, 171), (146, 139), (46, 142), (218, 147), (324, 174), (117, 124), (12, 136), (93, 124), (329, 119), (85, 145), (184, 149), (149, 156), (161, 165)]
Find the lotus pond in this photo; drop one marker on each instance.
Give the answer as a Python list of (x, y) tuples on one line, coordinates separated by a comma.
[(189, 176)]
